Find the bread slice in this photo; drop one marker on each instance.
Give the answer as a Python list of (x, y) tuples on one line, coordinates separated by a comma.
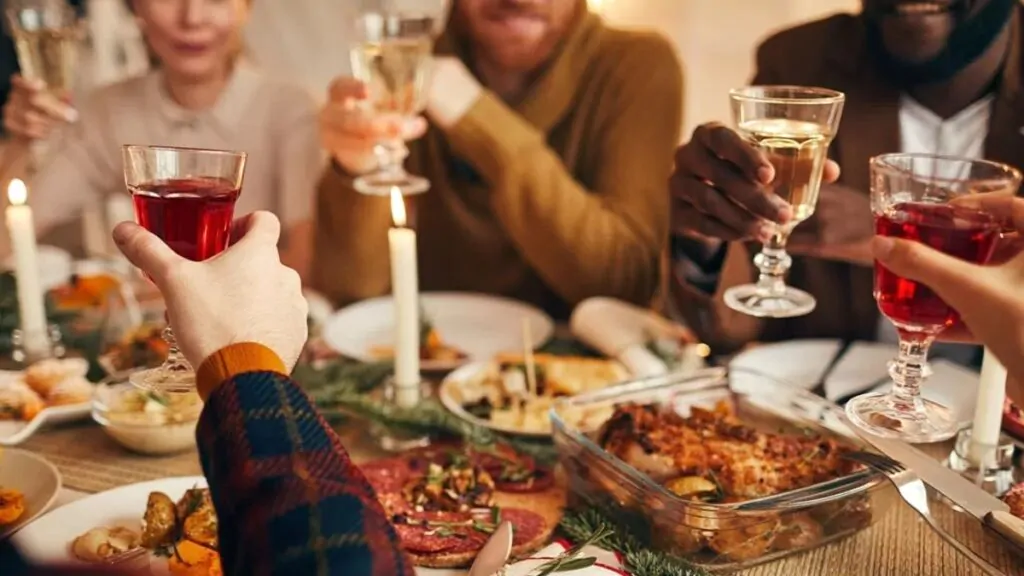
[(548, 505)]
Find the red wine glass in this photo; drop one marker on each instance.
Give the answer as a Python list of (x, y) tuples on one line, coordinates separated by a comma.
[(918, 197), (187, 198)]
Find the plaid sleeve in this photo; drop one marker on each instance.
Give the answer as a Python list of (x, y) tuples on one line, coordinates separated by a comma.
[(288, 498)]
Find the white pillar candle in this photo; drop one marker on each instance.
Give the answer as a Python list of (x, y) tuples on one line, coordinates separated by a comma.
[(405, 291), (988, 412), (31, 303)]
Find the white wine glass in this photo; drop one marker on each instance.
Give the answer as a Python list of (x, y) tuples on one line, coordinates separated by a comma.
[(793, 126), (392, 56), (46, 35)]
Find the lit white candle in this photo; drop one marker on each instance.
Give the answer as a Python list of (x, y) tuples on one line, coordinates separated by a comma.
[(405, 291), (31, 302), (988, 412)]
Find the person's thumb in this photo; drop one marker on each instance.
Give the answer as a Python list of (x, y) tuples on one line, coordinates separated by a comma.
[(146, 251), (955, 281)]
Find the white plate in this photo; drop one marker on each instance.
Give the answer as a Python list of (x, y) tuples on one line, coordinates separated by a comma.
[(48, 539), (14, 432), (801, 363), (34, 477), (446, 393), (481, 326)]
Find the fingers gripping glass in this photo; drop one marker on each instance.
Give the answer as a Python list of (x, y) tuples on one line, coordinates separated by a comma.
[(919, 197), (793, 127), (186, 197), (392, 57)]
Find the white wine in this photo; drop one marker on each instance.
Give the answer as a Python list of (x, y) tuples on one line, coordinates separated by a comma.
[(395, 72), (48, 55), (798, 151)]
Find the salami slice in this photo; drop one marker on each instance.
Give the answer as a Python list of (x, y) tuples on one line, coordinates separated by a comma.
[(387, 475), (526, 525)]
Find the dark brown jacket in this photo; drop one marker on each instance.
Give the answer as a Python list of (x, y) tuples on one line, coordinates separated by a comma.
[(870, 126)]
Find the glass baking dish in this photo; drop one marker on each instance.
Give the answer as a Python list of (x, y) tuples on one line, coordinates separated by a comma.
[(725, 536)]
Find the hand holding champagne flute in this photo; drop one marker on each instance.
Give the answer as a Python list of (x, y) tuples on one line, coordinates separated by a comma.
[(392, 58)]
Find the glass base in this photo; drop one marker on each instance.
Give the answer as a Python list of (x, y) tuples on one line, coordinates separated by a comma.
[(876, 413), (163, 380), (753, 300), (381, 184), (995, 473), (397, 399)]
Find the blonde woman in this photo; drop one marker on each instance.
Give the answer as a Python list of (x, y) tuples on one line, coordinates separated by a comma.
[(201, 93)]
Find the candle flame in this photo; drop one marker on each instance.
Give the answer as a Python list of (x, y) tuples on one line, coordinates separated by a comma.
[(397, 207), (17, 192)]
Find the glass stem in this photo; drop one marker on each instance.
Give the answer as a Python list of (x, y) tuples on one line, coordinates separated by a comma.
[(391, 154), (176, 362), (909, 370), (773, 262)]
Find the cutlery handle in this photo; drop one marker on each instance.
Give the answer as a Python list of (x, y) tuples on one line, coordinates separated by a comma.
[(1008, 525)]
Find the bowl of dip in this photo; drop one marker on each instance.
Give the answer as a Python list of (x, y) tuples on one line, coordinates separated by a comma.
[(147, 422)]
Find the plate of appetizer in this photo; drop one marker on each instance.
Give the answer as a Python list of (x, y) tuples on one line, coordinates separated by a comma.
[(51, 391), (28, 486), (507, 395), (456, 328), (445, 501), (167, 526), (142, 347)]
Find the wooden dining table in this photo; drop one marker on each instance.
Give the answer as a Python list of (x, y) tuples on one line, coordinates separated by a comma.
[(898, 544)]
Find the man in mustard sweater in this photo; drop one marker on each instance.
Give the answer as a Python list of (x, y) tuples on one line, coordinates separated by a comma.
[(550, 137)]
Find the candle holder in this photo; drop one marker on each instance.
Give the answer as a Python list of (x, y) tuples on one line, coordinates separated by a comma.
[(31, 347), (396, 400), (995, 474)]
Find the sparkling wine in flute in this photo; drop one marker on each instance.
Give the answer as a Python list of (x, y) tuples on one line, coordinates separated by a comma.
[(48, 55), (798, 151), (395, 71)]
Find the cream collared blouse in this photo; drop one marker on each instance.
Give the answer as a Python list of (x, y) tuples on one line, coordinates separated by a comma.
[(274, 122)]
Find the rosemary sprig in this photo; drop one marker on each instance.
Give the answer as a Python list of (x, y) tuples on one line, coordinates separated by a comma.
[(583, 524), (571, 559)]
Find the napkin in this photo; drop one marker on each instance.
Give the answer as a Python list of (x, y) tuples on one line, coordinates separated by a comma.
[(800, 363), (862, 366), (607, 564), (622, 331)]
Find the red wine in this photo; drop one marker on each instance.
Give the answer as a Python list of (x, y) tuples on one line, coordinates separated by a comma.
[(192, 215), (961, 232)]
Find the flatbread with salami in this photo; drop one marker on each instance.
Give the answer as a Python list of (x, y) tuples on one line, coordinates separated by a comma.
[(445, 502)]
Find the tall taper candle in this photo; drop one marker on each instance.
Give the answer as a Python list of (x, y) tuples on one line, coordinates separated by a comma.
[(31, 303), (988, 412), (405, 291)]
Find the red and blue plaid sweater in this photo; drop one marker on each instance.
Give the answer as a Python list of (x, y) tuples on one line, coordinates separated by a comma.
[(288, 498)]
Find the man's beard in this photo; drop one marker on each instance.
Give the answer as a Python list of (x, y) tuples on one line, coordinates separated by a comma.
[(968, 41)]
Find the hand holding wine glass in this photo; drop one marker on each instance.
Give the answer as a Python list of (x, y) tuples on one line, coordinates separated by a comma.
[(243, 295), (350, 129), (989, 298), (943, 203), (33, 112)]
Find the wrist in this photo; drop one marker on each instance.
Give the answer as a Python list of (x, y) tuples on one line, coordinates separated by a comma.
[(235, 359), (453, 91)]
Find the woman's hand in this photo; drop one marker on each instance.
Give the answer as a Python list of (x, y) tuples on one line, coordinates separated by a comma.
[(32, 112), (990, 298), (350, 129)]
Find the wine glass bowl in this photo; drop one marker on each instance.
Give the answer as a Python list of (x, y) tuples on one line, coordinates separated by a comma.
[(793, 127), (186, 197), (925, 198), (392, 57), (46, 35)]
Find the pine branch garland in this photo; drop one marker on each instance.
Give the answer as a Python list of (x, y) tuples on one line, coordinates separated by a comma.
[(581, 525)]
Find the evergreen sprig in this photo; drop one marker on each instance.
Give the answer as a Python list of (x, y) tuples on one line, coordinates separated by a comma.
[(583, 524)]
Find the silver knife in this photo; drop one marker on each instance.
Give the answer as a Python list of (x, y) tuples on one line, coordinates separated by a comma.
[(495, 553), (990, 510)]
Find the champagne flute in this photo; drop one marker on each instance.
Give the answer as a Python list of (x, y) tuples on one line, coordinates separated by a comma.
[(46, 35), (914, 197), (392, 56), (793, 126), (187, 198)]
